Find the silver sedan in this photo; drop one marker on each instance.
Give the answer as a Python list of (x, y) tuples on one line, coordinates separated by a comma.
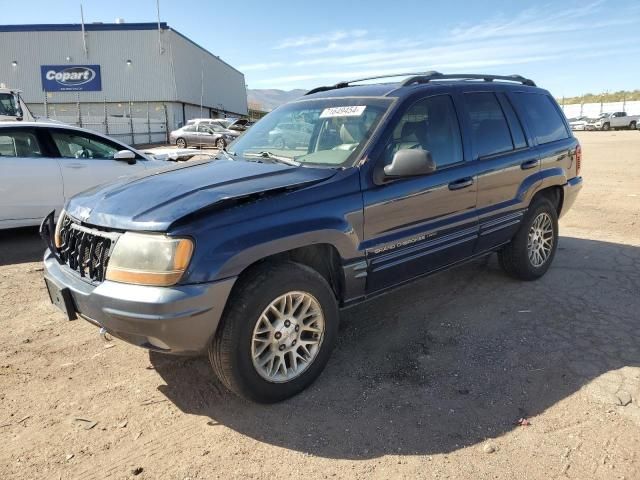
[(201, 136)]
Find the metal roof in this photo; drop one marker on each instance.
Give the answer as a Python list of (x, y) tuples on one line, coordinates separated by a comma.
[(76, 27)]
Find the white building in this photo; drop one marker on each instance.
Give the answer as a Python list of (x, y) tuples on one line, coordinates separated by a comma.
[(133, 80)]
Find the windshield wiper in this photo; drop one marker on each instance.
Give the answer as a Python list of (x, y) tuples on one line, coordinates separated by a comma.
[(271, 156)]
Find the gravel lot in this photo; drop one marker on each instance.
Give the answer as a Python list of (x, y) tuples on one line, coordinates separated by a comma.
[(428, 381)]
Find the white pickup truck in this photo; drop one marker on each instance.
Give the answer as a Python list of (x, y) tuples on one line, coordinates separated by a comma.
[(12, 107), (616, 120)]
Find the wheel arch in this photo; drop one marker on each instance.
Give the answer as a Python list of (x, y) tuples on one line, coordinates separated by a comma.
[(324, 258)]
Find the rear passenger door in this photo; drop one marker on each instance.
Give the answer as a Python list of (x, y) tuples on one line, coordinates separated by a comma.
[(554, 141), (505, 161), (30, 179)]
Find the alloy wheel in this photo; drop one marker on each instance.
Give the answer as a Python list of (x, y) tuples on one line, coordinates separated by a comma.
[(287, 337), (540, 240)]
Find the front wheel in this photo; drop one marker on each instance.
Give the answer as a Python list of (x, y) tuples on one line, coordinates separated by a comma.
[(221, 144), (277, 332), (181, 143), (633, 125), (531, 251), (606, 127)]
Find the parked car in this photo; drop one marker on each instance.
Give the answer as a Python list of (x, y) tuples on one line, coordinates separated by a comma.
[(235, 124), (578, 123), (616, 120), (290, 135), (251, 258), (43, 164), (202, 135)]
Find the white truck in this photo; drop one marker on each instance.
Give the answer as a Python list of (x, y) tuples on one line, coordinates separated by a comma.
[(615, 121), (12, 107)]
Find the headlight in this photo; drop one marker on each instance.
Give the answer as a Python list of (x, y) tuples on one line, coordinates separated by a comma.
[(147, 259)]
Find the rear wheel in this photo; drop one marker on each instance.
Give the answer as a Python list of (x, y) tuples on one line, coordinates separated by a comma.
[(532, 249), (632, 125), (277, 332), (181, 143)]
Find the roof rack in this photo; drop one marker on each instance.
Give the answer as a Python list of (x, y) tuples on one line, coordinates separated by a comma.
[(426, 78), (378, 77)]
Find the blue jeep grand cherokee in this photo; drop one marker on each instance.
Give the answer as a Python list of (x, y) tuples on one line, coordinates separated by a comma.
[(250, 257)]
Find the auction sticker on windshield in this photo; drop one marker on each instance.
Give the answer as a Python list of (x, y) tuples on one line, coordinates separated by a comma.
[(347, 111)]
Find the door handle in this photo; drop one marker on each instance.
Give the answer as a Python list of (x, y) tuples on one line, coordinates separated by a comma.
[(75, 165), (529, 164), (462, 183)]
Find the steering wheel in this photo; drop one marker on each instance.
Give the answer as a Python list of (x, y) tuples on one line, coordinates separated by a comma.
[(83, 153)]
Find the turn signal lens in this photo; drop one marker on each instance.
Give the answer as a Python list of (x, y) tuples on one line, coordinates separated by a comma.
[(57, 237), (145, 259), (578, 159)]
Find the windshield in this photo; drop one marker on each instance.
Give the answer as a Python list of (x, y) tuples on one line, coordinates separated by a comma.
[(8, 105), (328, 132)]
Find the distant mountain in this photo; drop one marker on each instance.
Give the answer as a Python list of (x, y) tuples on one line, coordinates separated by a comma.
[(269, 98)]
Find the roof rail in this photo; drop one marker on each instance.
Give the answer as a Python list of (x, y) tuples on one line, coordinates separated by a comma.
[(349, 82), (426, 78)]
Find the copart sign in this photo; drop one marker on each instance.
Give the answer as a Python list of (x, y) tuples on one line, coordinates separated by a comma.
[(71, 78)]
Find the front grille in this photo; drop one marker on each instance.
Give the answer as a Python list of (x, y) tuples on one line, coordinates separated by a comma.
[(85, 250)]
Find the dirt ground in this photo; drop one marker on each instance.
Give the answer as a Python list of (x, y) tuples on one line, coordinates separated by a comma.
[(428, 381)]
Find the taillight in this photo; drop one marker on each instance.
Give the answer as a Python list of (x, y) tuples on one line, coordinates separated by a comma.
[(578, 158)]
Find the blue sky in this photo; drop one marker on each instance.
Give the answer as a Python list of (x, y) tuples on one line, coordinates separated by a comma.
[(568, 47)]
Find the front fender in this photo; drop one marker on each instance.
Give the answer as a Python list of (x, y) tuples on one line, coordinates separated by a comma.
[(229, 241)]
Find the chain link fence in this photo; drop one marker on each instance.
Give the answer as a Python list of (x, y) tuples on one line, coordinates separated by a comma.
[(134, 123)]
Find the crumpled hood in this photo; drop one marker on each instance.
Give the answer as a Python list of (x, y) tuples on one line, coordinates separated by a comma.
[(152, 202)]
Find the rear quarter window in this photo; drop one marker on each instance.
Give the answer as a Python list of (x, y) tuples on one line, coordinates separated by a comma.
[(542, 116)]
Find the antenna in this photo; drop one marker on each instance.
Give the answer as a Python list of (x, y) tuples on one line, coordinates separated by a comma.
[(84, 35), (159, 29)]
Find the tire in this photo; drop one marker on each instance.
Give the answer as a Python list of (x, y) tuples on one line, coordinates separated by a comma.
[(279, 143), (231, 351), (514, 258), (632, 126), (181, 143), (606, 127), (221, 144)]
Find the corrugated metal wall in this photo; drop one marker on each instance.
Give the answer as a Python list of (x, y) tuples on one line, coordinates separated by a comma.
[(224, 87), (174, 75)]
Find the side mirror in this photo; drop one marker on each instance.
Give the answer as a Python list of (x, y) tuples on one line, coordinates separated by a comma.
[(125, 156), (410, 162)]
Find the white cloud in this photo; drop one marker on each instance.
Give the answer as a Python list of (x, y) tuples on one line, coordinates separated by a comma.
[(537, 34), (327, 37), (260, 66)]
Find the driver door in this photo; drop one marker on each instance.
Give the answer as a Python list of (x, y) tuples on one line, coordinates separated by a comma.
[(416, 225), (87, 160)]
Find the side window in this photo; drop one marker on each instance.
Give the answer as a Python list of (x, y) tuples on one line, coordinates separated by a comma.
[(517, 133), (543, 117), (79, 145), (204, 128), (19, 144), (430, 124), (489, 128)]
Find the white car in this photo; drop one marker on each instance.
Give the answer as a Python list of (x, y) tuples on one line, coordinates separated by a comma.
[(43, 164), (579, 123)]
